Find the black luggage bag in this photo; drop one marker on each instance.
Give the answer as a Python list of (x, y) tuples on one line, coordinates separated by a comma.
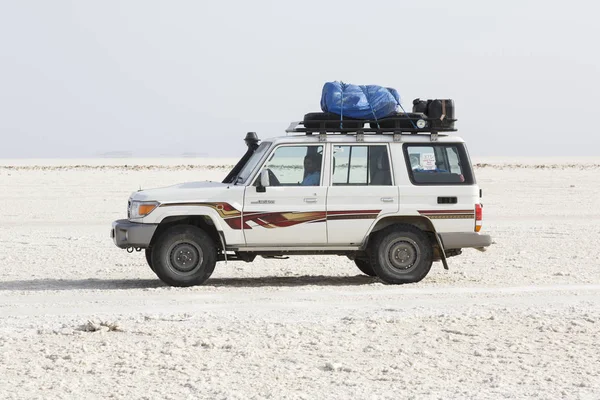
[(440, 112), (330, 122)]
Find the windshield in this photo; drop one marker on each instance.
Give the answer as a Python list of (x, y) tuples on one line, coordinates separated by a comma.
[(252, 162)]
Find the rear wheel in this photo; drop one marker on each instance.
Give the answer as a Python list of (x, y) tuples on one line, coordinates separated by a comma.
[(184, 255), (365, 267), (401, 254)]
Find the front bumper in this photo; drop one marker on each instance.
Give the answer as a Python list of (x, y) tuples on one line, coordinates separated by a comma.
[(461, 240), (131, 234)]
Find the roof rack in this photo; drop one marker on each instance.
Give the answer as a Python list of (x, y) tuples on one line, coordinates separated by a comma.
[(383, 126)]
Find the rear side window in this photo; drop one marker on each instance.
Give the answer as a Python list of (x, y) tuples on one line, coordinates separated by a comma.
[(438, 164), (358, 165)]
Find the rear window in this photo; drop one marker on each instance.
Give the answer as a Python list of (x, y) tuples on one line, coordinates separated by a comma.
[(438, 164)]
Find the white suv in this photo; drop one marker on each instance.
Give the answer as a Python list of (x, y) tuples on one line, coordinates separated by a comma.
[(392, 201)]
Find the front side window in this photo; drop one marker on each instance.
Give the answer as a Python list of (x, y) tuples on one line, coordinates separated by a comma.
[(439, 164), (355, 165), (295, 166)]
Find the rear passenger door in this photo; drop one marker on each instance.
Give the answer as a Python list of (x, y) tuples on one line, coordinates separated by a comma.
[(361, 189)]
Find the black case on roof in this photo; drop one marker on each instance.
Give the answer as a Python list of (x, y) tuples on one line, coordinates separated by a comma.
[(441, 112)]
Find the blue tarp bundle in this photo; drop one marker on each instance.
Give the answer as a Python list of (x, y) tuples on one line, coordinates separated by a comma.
[(360, 102)]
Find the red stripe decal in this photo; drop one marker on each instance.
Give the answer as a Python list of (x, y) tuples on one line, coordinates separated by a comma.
[(445, 211)]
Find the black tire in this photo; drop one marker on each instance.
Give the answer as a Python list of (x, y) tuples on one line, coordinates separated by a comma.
[(401, 254), (184, 255), (365, 267), (148, 252)]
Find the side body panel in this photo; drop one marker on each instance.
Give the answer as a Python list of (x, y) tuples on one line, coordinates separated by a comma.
[(424, 200), (224, 208)]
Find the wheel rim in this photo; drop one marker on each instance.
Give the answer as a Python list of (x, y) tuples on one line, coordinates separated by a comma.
[(185, 258), (403, 254)]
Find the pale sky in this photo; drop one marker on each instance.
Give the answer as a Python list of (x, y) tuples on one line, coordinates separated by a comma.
[(81, 78)]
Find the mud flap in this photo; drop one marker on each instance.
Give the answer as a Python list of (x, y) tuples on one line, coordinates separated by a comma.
[(222, 237), (440, 243)]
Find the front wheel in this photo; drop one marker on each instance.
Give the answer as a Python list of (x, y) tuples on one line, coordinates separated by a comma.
[(184, 255), (148, 252), (365, 267), (401, 254)]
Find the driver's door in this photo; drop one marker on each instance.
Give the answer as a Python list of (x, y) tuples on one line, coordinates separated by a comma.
[(291, 211)]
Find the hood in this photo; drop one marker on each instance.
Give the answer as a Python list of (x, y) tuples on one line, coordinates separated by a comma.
[(189, 191)]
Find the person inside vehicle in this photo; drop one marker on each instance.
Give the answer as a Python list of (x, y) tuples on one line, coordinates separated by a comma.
[(415, 162), (312, 167)]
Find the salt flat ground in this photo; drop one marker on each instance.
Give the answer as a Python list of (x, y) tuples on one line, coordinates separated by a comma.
[(520, 320)]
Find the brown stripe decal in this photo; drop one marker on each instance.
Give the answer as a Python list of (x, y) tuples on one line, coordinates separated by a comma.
[(282, 219), (236, 220), (351, 216), (451, 216), (448, 214), (225, 210), (446, 211)]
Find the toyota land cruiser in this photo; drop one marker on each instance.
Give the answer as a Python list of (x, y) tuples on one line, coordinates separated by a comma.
[(393, 200)]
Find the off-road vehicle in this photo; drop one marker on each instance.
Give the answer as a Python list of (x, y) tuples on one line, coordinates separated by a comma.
[(393, 195)]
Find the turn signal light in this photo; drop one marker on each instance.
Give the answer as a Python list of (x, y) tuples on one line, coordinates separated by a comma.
[(146, 209), (478, 216)]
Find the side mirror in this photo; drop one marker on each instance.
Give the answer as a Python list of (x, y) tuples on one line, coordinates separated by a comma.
[(264, 181)]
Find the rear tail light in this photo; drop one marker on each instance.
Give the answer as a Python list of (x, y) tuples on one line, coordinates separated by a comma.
[(478, 216)]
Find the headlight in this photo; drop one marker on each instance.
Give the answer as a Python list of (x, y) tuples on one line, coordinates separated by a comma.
[(139, 209)]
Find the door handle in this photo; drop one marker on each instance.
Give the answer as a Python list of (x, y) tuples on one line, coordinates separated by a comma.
[(310, 200), (387, 199)]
